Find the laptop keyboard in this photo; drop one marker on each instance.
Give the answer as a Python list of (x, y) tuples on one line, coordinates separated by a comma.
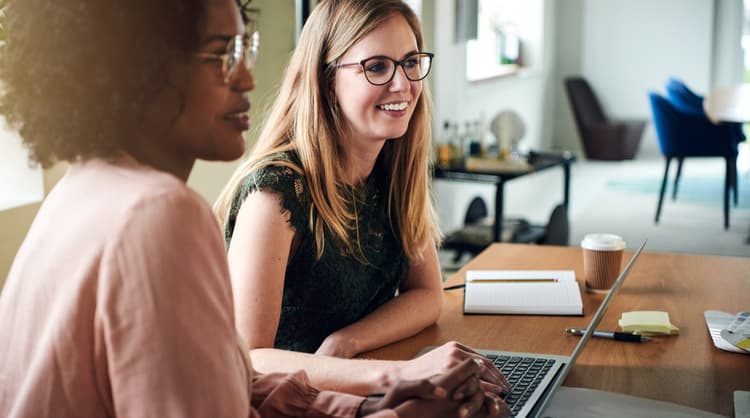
[(524, 375)]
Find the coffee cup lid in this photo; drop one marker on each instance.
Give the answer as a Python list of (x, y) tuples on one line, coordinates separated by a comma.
[(603, 242)]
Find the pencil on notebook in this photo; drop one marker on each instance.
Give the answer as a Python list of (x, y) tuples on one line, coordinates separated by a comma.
[(534, 280)]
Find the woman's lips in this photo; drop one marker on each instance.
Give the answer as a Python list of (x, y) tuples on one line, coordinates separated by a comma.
[(240, 120)]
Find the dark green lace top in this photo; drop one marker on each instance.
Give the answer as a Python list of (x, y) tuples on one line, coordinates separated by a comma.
[(322, 296)]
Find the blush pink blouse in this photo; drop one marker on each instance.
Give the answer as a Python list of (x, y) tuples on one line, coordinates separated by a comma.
[(119, 304)]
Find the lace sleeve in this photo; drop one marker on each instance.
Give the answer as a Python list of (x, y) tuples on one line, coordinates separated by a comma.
[(282, 180)]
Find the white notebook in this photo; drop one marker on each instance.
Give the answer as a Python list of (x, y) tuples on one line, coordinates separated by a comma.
[(522, 292)]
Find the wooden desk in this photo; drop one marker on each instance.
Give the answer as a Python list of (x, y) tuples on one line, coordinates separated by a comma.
[(686, 369), (541, 161)]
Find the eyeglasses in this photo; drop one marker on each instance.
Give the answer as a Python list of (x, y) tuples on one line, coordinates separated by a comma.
[(240, 49), (380, 70)]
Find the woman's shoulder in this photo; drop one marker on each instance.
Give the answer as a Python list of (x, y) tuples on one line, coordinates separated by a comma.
[(277, 171)]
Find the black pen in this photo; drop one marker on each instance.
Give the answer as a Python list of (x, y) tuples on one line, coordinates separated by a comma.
[(619, 336)]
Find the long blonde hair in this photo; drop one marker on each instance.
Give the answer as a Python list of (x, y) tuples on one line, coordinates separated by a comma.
[(304, 118)]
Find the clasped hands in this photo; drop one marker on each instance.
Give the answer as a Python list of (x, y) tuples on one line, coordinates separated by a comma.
[(482, 388), (457, 393)]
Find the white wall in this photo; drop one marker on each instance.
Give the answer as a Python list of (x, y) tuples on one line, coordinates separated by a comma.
[(632, 46)]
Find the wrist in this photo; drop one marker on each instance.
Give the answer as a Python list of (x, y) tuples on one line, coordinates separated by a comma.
[(393, 372)]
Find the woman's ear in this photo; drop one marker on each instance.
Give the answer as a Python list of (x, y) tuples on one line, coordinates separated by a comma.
[(165, 101)]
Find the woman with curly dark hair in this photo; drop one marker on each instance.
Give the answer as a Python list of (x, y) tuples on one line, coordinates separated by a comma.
[(119, 301)]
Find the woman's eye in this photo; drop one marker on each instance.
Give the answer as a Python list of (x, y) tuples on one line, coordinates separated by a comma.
[(411, 62), (378, 66)]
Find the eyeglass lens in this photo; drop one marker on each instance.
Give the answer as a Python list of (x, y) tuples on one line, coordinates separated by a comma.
[(380, 70), (241, 49)]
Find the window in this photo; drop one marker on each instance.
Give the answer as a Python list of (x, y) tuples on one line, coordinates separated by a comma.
[(509, 34)]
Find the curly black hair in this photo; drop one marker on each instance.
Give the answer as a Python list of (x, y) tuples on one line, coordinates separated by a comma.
[(76, 75)]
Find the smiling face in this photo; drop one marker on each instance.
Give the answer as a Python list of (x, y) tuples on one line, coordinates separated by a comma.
[(377, 113)]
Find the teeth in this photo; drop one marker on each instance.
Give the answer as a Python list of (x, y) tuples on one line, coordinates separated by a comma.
[(393, 106)]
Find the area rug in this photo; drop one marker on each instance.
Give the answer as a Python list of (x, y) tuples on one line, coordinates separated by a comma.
[(695, 189)]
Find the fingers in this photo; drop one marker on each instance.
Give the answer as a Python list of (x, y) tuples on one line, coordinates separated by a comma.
[(467, 388), (457, 375), (473, 405), (489, 372), (491, 387), (495, 406), (408, 389)]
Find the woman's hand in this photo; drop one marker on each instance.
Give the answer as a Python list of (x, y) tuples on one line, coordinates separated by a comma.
[(447, 356), (403, 391), (457, 393)]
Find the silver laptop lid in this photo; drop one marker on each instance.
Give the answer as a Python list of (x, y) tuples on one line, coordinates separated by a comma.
[(590, 329)]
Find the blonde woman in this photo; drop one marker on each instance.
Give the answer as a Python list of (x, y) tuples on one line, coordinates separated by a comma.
[(331, 215)]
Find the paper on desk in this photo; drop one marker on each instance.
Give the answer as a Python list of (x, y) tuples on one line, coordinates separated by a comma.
[(717, 321), (738, 332)]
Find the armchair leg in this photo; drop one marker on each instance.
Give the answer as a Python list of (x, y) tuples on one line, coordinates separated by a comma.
[(677, 177), (727, 187), (735, 180), (663, 187)]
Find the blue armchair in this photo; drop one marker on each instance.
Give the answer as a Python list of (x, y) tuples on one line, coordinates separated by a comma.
[(687, 101), (684, 135)]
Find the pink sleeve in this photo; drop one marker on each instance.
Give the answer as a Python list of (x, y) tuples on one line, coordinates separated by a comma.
[(284, 395), (386, 413), (164, 316)]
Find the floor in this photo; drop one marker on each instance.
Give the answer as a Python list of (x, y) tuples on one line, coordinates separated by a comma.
[(601, 201)]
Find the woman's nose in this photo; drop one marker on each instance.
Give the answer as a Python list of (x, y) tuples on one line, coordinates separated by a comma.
[(399, 81), (242, 79)]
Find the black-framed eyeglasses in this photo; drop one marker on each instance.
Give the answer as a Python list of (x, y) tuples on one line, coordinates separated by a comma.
[(240, 49), (379, 70)]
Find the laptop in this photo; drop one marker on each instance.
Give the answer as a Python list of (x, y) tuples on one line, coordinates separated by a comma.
[(536, 377)]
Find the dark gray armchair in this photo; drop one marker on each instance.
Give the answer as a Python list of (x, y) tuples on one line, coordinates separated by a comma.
[(602, 138)]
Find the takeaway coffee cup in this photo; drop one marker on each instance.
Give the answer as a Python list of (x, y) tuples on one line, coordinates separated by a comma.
[(602, 255)]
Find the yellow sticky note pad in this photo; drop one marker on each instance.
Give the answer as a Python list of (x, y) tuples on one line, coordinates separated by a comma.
[(647, 322)]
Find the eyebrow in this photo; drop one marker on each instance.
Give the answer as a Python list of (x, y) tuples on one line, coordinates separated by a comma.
[(412, 52)]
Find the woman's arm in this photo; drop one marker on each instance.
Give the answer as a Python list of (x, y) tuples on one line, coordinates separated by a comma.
[(416, 307), (258, 256)]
